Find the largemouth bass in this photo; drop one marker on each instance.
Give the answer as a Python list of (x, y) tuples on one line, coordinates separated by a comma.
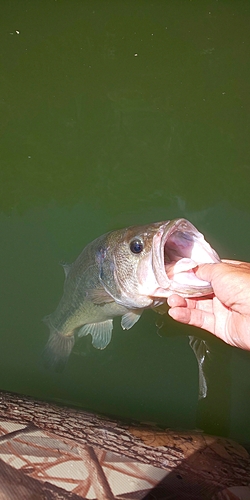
[(122, 273)]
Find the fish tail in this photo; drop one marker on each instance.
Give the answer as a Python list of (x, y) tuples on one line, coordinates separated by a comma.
[(57, 350)]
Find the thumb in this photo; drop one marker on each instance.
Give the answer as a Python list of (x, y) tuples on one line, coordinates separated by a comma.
[(205, 271)]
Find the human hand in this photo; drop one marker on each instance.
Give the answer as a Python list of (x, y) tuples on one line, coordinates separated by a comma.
[(226, 313)]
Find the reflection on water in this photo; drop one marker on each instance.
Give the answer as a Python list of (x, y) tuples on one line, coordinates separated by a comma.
[(95, 138)]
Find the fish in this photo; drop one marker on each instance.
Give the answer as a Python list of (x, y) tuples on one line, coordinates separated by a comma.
[(122, 273)]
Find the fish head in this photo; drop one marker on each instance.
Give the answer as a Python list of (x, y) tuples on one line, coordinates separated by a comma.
[(141, 266)]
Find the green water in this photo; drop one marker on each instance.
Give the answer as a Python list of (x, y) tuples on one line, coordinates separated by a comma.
[(116, 113)]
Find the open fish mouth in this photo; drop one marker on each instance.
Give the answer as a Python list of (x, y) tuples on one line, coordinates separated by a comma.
[(178, 249)]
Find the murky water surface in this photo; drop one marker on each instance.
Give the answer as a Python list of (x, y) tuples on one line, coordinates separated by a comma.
[(116, 113)]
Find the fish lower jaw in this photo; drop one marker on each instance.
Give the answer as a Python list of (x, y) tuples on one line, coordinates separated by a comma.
[(200, 289), (190, 291), (163, 293)]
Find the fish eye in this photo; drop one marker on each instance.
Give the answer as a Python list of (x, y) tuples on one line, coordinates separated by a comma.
[(136, 246)]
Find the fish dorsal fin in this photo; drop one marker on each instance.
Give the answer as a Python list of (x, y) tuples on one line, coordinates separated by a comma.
[(66, 268), (129, 319), (99, 296), (101, 333)]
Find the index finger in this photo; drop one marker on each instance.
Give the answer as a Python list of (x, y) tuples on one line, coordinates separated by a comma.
[(200, 303)]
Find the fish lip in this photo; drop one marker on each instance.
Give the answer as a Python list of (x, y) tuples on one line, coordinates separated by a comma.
[(159, 243), (176, 225), (168, 228), (164, 232)]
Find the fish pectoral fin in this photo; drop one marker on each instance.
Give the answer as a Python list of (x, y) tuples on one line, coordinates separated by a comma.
[(101, 333), (161, 309), (99, 296), (129, 319)]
